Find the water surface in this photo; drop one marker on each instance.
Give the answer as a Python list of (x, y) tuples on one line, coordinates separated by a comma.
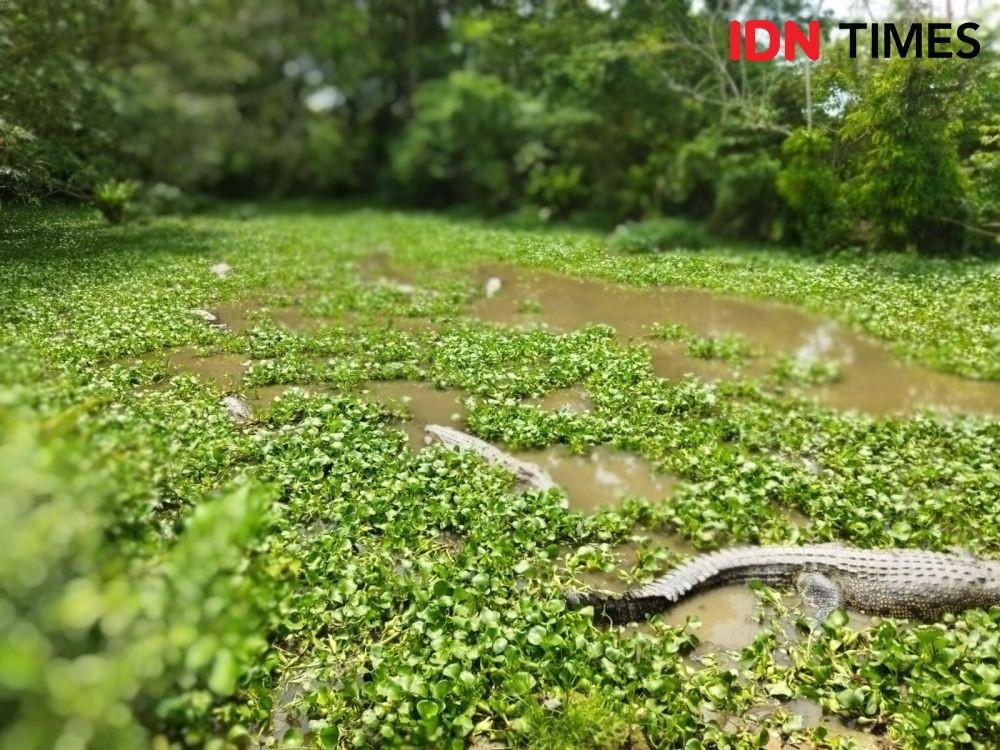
[(874, 380)]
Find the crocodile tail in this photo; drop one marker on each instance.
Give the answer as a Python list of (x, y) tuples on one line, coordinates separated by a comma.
[(617, 610)]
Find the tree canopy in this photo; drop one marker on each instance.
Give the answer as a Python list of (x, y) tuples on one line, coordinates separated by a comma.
[(553, 109)]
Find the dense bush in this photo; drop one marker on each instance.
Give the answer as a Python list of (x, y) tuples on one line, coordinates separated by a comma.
[(463, 143), (656, 235), (811, 188), (97, 648), (574, 111), (906, 180)]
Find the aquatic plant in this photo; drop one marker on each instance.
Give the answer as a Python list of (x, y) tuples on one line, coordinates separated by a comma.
[(349, 591)]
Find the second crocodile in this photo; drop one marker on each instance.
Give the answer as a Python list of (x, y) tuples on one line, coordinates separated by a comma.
[(895, 582)]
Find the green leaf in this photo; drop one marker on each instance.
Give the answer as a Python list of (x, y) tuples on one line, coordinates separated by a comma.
[(427, 709), (222, 679)]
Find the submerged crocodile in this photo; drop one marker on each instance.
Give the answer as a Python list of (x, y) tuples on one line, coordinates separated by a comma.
[(525, 473), (894, 582)]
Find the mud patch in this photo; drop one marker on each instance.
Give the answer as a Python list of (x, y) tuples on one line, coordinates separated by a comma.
[(240, 317), (873, 380), (601, 477)]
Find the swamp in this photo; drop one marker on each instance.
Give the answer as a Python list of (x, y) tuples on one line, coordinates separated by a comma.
[(497, 374), (316, 573)]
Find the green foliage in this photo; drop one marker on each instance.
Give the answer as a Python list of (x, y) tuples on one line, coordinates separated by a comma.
[(160, 199), (811, 188), (657, 235), (100, 648), (984, 176), (907, 180), (113, 199), (729, 347), (746, 204), (59, 131), (463, 142)]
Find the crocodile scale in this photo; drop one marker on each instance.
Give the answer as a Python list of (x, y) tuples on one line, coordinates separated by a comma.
[(895, 582)]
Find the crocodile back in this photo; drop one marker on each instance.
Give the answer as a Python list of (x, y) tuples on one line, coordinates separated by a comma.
[(902, 583)]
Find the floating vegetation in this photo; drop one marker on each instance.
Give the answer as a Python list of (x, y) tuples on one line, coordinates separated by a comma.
[(170, 572)]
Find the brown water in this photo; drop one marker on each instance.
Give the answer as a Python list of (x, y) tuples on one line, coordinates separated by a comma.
[(574, 400), (795, 517), (670, 362), (240, 317), (601, 477), (225, 370), (426, 404), (874, 380), (728, 616)]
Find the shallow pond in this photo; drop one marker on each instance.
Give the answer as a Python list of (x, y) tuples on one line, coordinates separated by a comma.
[(222, 369), (574, 400), (426, 404), (601, 477), (874, 380)]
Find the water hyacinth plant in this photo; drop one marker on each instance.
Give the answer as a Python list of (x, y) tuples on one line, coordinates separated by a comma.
[(307, 577)]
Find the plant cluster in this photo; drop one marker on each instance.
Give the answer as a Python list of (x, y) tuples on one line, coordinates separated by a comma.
[(306, 578), (597, 112)]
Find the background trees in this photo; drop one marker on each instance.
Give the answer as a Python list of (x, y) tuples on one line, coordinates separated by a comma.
[(595, 111)]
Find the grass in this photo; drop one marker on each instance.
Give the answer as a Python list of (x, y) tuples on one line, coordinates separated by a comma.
[(172, 573)]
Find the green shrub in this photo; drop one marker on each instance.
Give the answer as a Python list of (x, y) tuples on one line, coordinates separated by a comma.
[(810, 187), (462, 144), (806, 371), (746, 203), (113, 199), (730, 347), (657, 235), (99, 650)]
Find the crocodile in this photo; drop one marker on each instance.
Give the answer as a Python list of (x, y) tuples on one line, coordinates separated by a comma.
[(905, 583), (525, 473)]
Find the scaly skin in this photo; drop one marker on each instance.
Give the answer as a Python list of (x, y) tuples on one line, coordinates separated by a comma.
[(525, 472), (895, 582)]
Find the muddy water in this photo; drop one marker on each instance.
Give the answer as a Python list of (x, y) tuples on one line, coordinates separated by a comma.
[(225, 370), (573, 400), (426, 404), (670, 362), (728, 617), (601, 477), (240, 317), (874, 380)]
